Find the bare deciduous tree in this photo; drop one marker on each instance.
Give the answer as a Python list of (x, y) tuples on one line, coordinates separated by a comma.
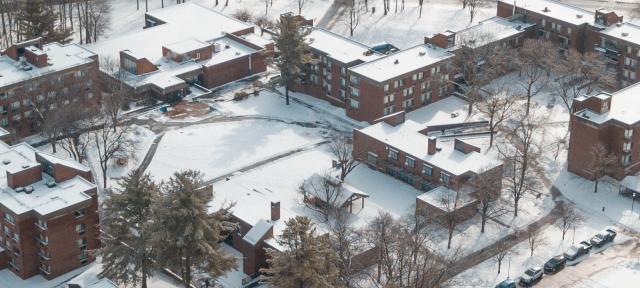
[(533, 61), (487, 186), (497, 107), (342, 150), (499, 257), (110, 143), (601, 162), (322, 195), (264, 23), (569, 218), (535, 239), (519, 154), (352, 17), (300, 5)]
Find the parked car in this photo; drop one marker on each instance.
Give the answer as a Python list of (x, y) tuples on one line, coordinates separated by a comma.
[(531, 276), (509, 283), (554, 264), (586, 245), (574, 253), (603, 237)]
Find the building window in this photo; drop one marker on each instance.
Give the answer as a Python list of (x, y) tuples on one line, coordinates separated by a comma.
[(444, 177), (44, 240), (354, 104), (9, 218), (626, 160), (425, 97), (355, 92), (42, 224), (81, 228), (78, 213), (396, 84), (386, 87), (82, 243), (626, 147), (407, 104), (409, 162), (393, 154), (389, 98), (427, 170), (15, 105), (628, 133), (354, 80), (388, 110)]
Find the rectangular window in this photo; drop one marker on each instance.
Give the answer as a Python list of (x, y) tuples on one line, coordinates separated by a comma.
[(42, 224), (390, 109), (626, 160), (409, 162), (396, 84), (626, 147), (414, 77), (628, 133), (354, 80), (407, 104), (78, 213), (420, 75), (389, 98), (81, 228), (393, 154), (444, 177), (427, 170), (355, 92), (82, 243), (354, 104), (386, 87), (9, 218)]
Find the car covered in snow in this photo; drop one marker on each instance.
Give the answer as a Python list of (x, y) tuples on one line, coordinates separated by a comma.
[(603, 237), (586, 245), (531, 276), (574, 254), (554, 264), (509, 283)]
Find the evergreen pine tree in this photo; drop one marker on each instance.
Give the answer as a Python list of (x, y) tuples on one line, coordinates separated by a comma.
[(307, 260), (127, 224), (37, 20), (186, 234), (293, 48)]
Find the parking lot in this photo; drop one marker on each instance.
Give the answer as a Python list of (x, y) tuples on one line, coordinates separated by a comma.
[(599, 260)]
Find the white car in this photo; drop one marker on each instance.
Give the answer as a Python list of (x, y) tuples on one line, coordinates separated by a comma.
[(530, 276)]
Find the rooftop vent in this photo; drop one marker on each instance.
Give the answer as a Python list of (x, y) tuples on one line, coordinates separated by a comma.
[(422, 53), (51, 184), (19, 189), (625, 34), (25, 166), (546, 9), (28, 189), (6, 161), (579, 16), (619, 24), (396, 61)]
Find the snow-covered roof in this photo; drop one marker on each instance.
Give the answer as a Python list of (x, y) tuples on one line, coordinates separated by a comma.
[(624, 107), (625, 31), (339, 47), (444, 198), (44, 199), (229, 49), (403, 62), (59, 57), (490, 30), (187, 21), (257, 232), (558, 10), (407, 138), (186, 46), (632, 182), (66, 162)]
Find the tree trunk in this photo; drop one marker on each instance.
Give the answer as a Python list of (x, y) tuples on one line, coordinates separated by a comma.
[(515, 209), (499, 265), (286, 94), (484, 220), (596, 186), (53, 145), (450, 236), (104, 174)]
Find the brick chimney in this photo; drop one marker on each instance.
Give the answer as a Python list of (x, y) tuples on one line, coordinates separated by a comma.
[(275, 211), (431, 149)]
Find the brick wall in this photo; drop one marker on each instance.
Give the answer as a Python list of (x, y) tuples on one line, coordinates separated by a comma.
[(233, 70)]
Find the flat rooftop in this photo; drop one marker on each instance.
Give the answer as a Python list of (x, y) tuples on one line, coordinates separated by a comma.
[(187, 21), (625, 31), (493, 29), (445, 198), (400, 63), (43, 200), (624, 107), (407, 137), (558, 10), (340, 48), (60, 57)]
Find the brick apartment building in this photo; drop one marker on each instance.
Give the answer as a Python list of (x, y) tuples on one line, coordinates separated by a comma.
[(600, 31), (401, 81), (49, 213), (37, 75), (610, 119), (186, 49), (420, 150), (332, 56)]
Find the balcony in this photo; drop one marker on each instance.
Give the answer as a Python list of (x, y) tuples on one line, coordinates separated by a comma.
[(41, 226), (42, 242), (44, 255), (45, 270)]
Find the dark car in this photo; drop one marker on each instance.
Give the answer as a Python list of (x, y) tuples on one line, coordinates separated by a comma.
[(509, 283), (554, 264), (531, 276), (612, 232), (586, 245)]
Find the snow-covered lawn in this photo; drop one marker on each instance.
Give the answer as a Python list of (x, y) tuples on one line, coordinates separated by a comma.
[(220, 148)]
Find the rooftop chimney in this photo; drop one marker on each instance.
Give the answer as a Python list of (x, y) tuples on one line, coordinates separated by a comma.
[(275, 211), (431, 149)]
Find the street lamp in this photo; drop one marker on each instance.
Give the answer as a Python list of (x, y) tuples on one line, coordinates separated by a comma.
[(633, 200)]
